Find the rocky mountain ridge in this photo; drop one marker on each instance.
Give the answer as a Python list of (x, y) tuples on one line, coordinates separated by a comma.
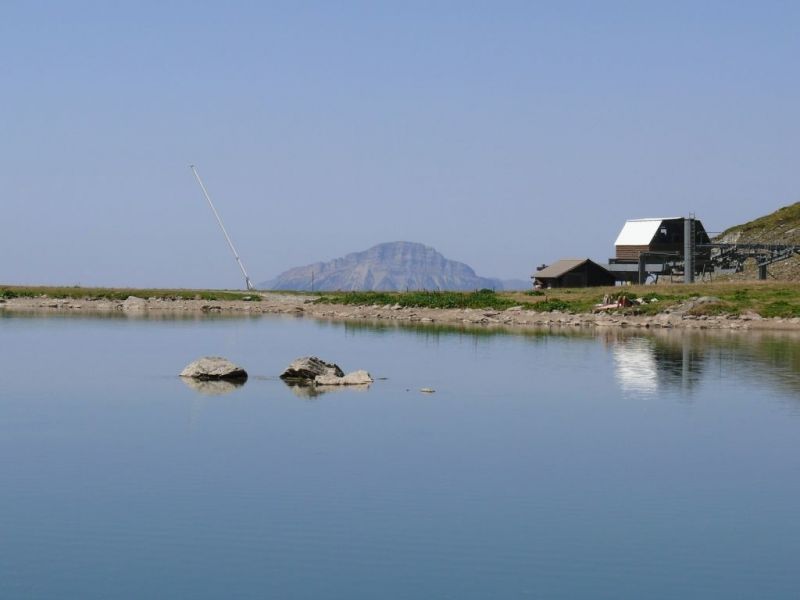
[(392, 266)]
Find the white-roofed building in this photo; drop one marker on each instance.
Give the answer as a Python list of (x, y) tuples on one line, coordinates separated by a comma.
[(662, 234)]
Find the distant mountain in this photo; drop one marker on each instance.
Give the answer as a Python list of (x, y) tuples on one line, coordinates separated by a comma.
[(385, 267)]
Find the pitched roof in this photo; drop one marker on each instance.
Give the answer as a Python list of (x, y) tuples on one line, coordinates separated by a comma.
[(559, 268), (640, 232)]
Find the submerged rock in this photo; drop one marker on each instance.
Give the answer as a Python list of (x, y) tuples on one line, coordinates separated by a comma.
[(308, 368), (213, 367), (359, 377)]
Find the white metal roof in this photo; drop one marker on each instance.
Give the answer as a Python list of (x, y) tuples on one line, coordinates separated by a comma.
[(639, 232)]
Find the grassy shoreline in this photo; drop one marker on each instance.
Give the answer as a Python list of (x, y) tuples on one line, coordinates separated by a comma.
[(120, 294), (767, 299)]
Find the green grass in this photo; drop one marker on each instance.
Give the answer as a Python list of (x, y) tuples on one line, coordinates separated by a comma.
[(119, 294), (781, 308), (482, 299), (554, 304)]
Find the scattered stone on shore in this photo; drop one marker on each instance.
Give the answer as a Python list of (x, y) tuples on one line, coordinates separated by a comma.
[(134, 303), (359, 377), (307, 368), (214, 368)]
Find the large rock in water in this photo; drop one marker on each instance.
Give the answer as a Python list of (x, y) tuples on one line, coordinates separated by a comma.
[(307, 368), (391, 266), (213, 367)]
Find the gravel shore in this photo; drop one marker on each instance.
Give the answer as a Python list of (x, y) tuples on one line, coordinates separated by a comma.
[(303, 306)]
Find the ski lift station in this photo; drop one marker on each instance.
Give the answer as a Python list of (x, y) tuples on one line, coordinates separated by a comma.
[(648, 249)]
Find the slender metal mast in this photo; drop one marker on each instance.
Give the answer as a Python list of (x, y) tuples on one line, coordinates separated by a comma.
[(247, 281)]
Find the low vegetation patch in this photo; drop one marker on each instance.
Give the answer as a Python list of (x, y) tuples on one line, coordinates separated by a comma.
[(482, 299), (479, 299), (781, 308), (713, 309), (554, 304)]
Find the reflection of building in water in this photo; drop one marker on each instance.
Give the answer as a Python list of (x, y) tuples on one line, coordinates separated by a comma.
[(645, 364), (680, 361), (635, 365)]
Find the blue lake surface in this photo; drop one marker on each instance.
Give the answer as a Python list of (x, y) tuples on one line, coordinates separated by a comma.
[(561, 465)]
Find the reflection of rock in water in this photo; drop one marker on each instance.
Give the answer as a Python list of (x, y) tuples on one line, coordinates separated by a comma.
[(312, 391), (217, 387), (636, 365)]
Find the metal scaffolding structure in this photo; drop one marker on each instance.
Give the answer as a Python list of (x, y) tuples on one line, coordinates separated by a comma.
[(731, 257)]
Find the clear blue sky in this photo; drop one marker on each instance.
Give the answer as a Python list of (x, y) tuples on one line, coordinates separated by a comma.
[(503, 134)]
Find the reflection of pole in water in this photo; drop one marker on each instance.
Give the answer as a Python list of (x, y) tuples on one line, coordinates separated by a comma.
[(685, 370)]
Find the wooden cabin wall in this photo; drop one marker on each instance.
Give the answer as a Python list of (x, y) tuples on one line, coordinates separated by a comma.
[(630, 252)]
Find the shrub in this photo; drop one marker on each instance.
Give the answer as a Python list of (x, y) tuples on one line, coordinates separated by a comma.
[(551, 305)]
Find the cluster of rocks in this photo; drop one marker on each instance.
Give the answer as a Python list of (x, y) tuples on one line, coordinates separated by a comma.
[(307, 370), (311, 370)]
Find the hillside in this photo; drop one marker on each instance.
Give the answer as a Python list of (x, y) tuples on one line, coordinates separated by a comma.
[(779, 227), (394, 266)]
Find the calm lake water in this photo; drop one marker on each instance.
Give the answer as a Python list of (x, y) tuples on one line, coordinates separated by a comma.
[(609, 465)]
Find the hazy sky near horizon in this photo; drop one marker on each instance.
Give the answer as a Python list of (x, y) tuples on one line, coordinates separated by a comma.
[(504, 134)]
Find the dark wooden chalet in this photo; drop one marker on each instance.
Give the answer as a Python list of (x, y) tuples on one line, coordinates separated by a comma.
[(654, 235), (575, 272)]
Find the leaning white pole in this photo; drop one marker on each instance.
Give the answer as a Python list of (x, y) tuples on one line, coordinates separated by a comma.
[(249, 285)]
